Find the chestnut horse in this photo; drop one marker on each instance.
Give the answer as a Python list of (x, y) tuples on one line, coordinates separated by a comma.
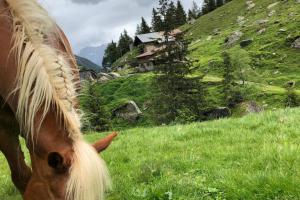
[(38, 86)]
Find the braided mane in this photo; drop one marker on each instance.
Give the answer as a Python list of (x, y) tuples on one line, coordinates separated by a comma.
[(45, 79)]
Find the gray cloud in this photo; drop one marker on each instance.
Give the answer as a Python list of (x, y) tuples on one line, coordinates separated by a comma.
[(96, 22)]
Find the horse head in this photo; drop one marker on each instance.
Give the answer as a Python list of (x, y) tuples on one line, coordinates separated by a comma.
[(40, 67)]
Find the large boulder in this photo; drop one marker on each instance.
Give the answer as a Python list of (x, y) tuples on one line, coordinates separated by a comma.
[(128, 111), (233, 38), (114, 75), (250, 107), (245, 43), (109, 77), (296, 44), (250, 5)]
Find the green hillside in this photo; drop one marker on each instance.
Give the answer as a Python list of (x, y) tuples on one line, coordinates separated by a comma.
[(273, 61), (253, 158)]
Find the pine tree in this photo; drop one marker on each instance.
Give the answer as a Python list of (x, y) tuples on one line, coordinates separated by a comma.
[(170, 18), (205, 7), (111, 54), (138, 29), (124, 43), (180, 14), (94, 109), (211, 5), (190, 15), (156, 21), (180, 96), (144, 28), (219, 3), (195, 11)]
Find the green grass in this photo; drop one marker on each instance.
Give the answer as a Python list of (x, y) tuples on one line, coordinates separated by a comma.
[(255, 157)]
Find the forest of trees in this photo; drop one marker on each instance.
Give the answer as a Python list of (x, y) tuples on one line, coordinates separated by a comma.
[(176, 16)]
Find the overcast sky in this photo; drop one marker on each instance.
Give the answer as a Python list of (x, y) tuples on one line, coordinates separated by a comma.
[(96, 22)]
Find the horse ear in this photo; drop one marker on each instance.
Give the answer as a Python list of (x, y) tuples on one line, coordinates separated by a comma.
[(102, 144), (57, 162)]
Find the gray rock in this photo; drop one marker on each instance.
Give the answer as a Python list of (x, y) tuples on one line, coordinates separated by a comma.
[(250, 5), (100, 75), (296, 44), (262, 21), (282, 30), (103, 79), (233, 38), (240, 20), (245, 43), (114, 75), (271, 13), (261, 31), (251, 107), (129, 112), (272, 5)]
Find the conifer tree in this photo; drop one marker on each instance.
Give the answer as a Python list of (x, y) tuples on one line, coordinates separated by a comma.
[(170, 19), (94, 109), (180, 95), (144, 28), (195, 11), (124, 43), (138, 29), (156, 21), (180, 14), (111, 54), (219, 3)]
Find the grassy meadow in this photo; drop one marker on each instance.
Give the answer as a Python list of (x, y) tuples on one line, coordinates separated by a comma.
[(255, 157)]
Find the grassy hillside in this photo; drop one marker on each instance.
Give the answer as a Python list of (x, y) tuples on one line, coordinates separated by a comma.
[(255, 157), (274, 62)]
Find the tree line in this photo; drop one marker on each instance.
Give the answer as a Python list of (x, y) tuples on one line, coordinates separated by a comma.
[(176, 16)]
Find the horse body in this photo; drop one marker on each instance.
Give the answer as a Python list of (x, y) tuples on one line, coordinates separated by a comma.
[(41, 102)]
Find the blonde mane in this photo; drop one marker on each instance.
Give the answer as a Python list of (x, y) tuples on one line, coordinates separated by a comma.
[(45, 79)]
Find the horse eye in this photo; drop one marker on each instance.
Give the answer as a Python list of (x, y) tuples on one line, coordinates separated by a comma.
[(56, 161)]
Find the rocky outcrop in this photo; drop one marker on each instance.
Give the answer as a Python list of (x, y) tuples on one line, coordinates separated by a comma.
[(250, 5), (250, 107), (233, 38), (104, 77), (114, 75), (296, 44), (128, 111)]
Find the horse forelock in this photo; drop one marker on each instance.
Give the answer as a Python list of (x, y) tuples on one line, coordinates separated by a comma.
[(89, 176)]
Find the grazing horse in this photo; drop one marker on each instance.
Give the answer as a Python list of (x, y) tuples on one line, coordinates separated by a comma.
[(38, 87)]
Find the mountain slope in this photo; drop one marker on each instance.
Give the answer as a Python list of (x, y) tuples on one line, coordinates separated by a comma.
[(87, 64), (94, 54)]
